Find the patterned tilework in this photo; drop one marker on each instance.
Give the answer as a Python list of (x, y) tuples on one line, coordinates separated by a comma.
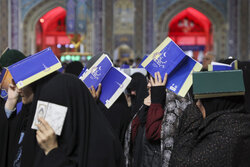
[(162, 5), (14, 24), (26, 5), (81, 16), (71, 16)]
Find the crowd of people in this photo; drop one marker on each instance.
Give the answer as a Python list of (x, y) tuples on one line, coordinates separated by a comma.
[(156, 129)]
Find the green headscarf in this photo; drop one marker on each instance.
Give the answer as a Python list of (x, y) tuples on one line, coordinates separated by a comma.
[(11, 56)]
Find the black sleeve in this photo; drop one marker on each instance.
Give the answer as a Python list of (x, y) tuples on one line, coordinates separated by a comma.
[(57, 158), (158, 94)]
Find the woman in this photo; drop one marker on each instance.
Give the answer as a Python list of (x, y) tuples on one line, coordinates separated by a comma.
[(86, 139), (9, 57), (218, 136), (150, 135)]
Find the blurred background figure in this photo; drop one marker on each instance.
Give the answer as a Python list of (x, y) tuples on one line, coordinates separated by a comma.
[(207, 59)]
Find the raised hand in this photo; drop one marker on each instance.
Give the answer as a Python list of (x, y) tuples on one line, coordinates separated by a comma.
[(13, 95), (157, 81), (95, 94)]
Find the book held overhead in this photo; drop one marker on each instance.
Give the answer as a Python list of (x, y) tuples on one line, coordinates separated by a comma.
[(100, 69), (169, 58)]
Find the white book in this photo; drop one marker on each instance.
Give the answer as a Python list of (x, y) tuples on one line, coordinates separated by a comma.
[(54, 114)]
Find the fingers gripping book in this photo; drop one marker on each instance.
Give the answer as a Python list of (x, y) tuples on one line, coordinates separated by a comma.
[(54, 114)]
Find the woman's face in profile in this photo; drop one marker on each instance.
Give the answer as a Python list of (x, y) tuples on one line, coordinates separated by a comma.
[(27, 94)]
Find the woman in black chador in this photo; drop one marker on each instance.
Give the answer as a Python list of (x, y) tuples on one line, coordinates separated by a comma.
[(219, 136), (86, 139)]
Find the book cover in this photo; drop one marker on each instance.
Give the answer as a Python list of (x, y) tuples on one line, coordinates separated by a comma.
[(165, 58), (34, 67), (218, 83), (5, 80), (95, 74), (54, 114), (169, 58), (113, 81), (216, 66), (144, 58), (180, 80)]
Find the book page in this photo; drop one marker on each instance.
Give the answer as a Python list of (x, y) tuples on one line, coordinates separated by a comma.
[(54, 114)]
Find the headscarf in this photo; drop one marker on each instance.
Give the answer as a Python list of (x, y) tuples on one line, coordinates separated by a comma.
[(11, 56), (74, 67), (217, 104), (86, 138), (139, 85)]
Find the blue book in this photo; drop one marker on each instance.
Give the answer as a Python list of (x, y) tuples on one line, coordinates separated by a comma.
[(5, 80), (34, 67), (113, 81), (215, 66), (169, 58)]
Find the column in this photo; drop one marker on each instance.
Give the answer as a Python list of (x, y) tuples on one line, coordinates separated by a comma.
[(149, 25), (98, 21), (108, 28), (233, 28), (4, 25), (138, 40)]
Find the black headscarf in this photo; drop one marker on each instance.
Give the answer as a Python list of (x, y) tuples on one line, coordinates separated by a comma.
[(11, 56), (74, 67), (139, 85), (218, 104), (86, 138)]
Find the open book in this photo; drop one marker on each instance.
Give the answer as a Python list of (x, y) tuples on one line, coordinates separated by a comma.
[(113, 81), (54, 114), (169, 58), (215, 66)]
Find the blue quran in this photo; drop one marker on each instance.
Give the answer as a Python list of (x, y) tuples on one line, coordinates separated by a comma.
[(169, 58), (113, 81), (215, 66), (34, 67)]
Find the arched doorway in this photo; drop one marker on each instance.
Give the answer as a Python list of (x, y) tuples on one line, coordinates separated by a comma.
[(219, 26), (51, 31), (192, 31), (30, 21)]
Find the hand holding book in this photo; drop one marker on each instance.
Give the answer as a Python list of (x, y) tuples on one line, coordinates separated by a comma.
[(45, 136), (95, 93), (157, 81), (12, 96)]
